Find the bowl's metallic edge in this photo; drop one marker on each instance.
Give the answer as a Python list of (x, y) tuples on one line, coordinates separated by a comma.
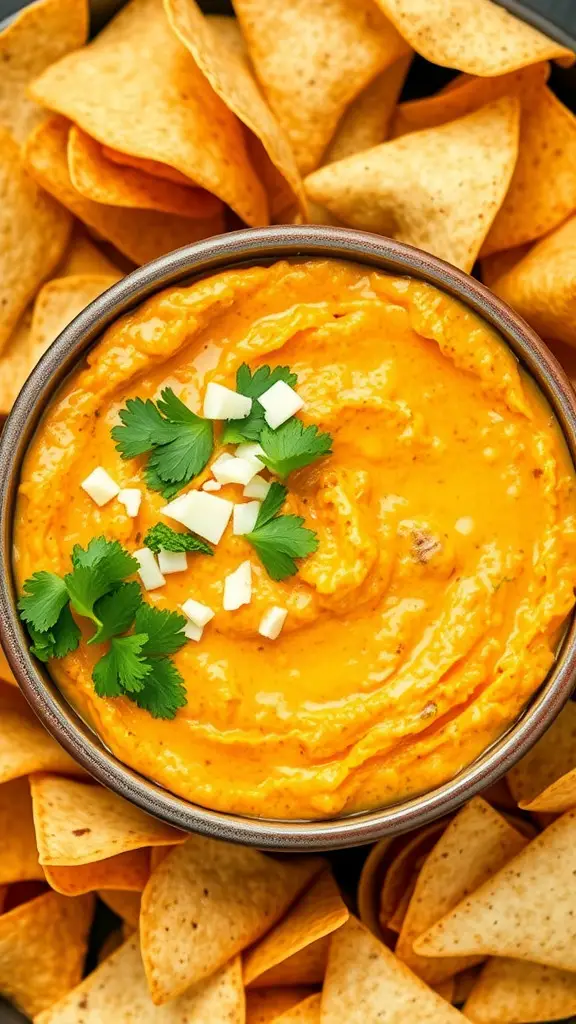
[(199, 259)]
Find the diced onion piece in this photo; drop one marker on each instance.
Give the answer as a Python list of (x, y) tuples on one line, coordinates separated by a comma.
[(131, 498), (101, 487), (257, 488), (172, 561), (211, 485), (272, 621), (236, 471), (221, 403), (149, 571), (280, 402), (192, 631), (197, 612), (245, 516), (251, 451), (204, 514), (465, 525), (238, 587)]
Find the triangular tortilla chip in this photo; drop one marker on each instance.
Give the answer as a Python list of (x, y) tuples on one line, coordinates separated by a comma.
[(42, 948), (498, 795), (25, 747), (230, 895), (438, 189), (81, 822), (395, 922), (34, 231), (306, 1012), (266, 1004), (39, 35), (366, 121), (508, 991), (527, 910), (447, 876), (541, 286), (445, 989), (83, 257), (103, 181), (116, 991), (463, 984), (551, 762), (153, 167), (366, 982), (316, 914), (125, 871), (493, 267), (217, 46), (125, 904), (477, 36), (312, 58), (136, 65), (306, 967), (141, 235), (18, 852), (402, 866), (111, 943)]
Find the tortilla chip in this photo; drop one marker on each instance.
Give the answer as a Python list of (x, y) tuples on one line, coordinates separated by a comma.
[(476, 36), (116, 991), (232, 894), (316, 914), (6, 673), (38, 36), (566, 356), (306, 1012), (56, 305), (306, 967), (141, 235), (476, 844), (265, 1005), (19, 855), (157, 855), (545, 779), (463, 984), (83, 257), (81, 822), (498, 795), (25, 747), (370, 882), (34, 232), (527, 910), (541, 287), (445, 989), (217, 46), (397, 919), (125, 904), (493, 267), (509, 990), (11, 699), (313, 60), (153, 167), (42, 948), (403, 866), (366, 121), (103, 181), (126, 871), (111, 943), (365, 982), (136, 66), (438, 189)]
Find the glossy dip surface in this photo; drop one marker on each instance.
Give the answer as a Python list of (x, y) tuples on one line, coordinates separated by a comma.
[(446, 516)]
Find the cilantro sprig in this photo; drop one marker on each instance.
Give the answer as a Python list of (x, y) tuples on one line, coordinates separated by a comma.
[(252, 385), (280, 539), (293, 446), (137, 664), (163, 536), (177, 441)]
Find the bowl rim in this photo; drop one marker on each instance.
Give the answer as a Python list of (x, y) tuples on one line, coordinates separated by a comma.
[(201, 259)]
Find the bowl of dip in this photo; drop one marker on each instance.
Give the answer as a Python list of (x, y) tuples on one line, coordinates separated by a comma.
[(426, 639)]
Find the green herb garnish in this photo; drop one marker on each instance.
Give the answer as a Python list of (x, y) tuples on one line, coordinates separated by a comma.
[(163, 536), (253, 385), (278, 540), (293, 446)]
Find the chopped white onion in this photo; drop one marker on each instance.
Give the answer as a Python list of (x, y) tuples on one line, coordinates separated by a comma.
[(280, 402), (245, 516), (149, 571), (238, 587), (192, 631), (100, 486), (131, 498), (221, 403), (172, 561), (272, 622), (257, 488), (211, 485), (197, 612), (236, 471), (204, 514)]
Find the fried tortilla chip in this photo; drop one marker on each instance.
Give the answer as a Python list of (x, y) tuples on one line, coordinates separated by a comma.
[(111, 943), (397, 919), (545, 778), (125, 904), (267, 1004), (18, 852), (42, 948), (39, 35), (402, 867), (84, 257), (366, 982), (476, 36), (25, 747), (103, 181), (141, 235), (449, 874), (56, 305), (370, 881), (463, 984), (80, 822), (306, 1012), (316, 914), (153, 167), (313, 58), (541, 286), (366, 121), (136, 88), (492, 267), (125, 871), (230, 895), (34, 231), (527, 910), (306, 967), (116, 991), (438, 189), (509, 991), (445, 989)]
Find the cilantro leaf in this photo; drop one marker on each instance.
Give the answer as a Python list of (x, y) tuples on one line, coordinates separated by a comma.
[(278, 540), (154, 482), (186, 455), (272, 503), (253, 385), (44, 597), (174, 409), (142, 428), (61, 639), (123, 669), (163, 691), (164, 630), (163, 536), (116, 611), (293, 446), (97, 570)]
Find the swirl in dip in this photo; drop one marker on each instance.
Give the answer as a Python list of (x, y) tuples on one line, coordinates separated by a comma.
[(446, 517)]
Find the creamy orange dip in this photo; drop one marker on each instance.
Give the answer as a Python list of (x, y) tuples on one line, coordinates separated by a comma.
[(446, 516)]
